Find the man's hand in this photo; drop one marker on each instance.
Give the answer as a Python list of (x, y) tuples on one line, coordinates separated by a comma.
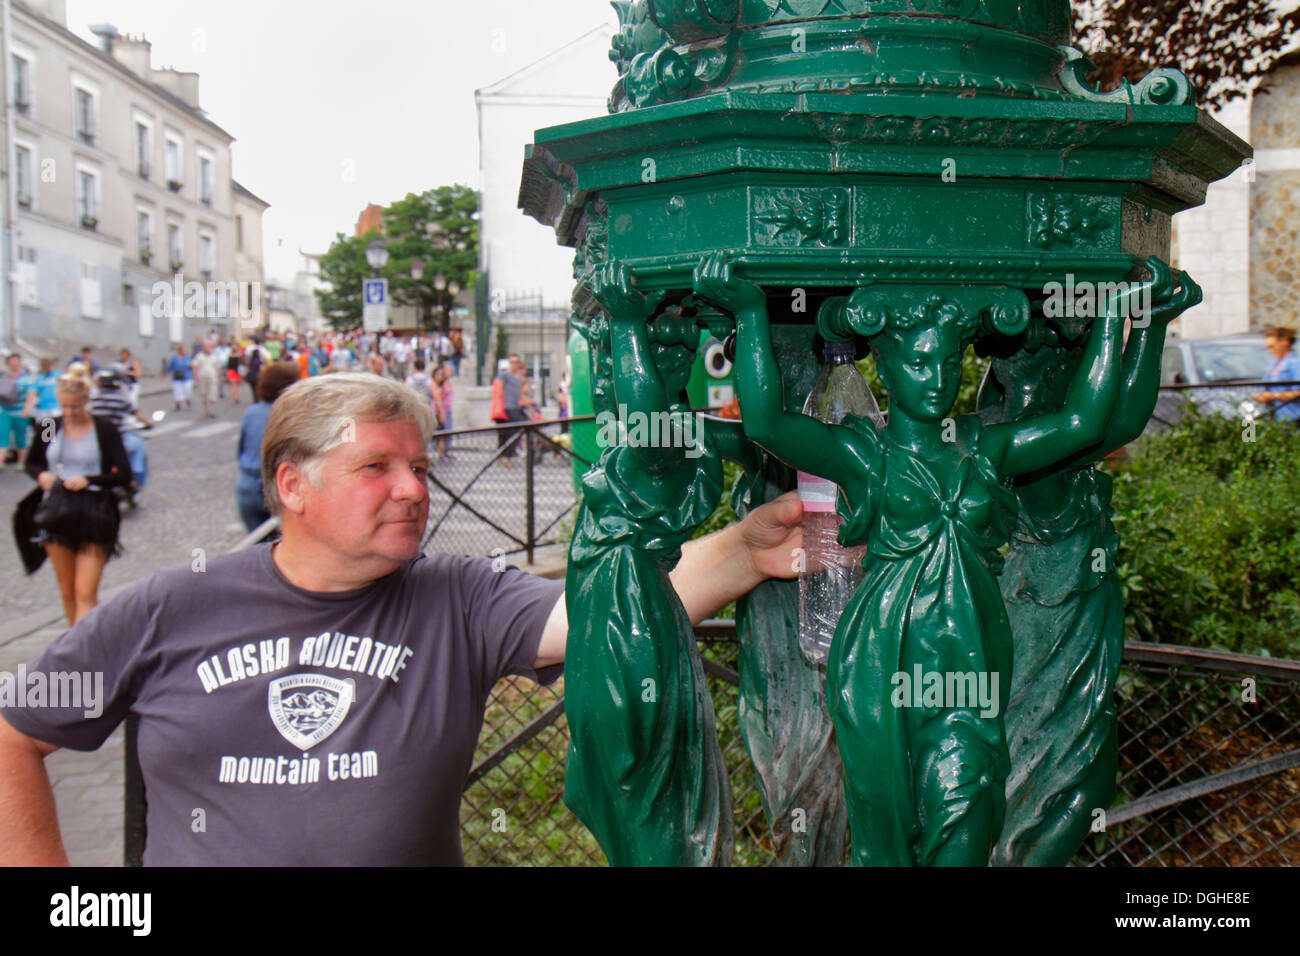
[(714, 570), (771, 534), (76, 483)]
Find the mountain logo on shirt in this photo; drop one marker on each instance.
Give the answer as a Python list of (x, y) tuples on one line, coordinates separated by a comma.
[(307, 708)]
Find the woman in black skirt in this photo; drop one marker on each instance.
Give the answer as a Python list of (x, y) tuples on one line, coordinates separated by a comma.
[(86, 455)]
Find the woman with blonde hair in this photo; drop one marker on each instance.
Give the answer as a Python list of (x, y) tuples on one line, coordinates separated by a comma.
[(76, 460)]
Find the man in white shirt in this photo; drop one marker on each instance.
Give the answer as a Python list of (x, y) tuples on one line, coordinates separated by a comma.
[(207, 370)]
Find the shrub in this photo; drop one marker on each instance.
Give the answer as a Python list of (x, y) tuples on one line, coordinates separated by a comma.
[(1209, 526)]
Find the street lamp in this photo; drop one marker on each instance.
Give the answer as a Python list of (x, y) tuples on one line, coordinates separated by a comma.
[(417, 273), (440, 283), (377, 254), (377, 258)]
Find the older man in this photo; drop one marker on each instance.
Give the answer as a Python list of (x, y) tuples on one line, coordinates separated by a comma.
[(319, 699), (208, 366)]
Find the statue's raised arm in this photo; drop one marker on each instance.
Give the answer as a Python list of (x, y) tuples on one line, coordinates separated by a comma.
[(829, 451), (1085, 419)]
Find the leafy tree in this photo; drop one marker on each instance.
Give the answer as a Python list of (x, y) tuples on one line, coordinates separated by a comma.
[(439, 227), (342, 269), (1209, 521), (1224, 46)]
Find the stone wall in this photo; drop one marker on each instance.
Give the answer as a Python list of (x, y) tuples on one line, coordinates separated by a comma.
[(1213, 243), (1275, 201)]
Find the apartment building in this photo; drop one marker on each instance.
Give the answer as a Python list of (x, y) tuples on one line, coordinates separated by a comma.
[(124, 224)]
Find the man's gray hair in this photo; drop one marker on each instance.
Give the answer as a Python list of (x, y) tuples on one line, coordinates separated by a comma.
[(317, 414)]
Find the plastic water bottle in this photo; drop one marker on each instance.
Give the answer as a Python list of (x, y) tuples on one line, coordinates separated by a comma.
[(831, 572)]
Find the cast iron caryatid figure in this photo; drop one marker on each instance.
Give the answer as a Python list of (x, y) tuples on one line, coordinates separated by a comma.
[(1060, 586), (933, 164), (925, 777), (645, 772)]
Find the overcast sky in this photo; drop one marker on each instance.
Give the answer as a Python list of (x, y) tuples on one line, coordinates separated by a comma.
[(315, 89)]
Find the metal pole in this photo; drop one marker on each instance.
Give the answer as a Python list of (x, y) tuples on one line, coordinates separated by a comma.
[(133, 798), (528, 492), (9, 311), (541, 348)]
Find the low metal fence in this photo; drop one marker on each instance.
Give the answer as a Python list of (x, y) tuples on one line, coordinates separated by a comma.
[(1229, 399), (1208, 774), (506, 490)]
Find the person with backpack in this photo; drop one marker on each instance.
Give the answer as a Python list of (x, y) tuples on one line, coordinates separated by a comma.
[(420, 382), (505, 407)]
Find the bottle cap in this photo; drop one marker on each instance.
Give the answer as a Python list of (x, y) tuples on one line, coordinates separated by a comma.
[(836, 349)]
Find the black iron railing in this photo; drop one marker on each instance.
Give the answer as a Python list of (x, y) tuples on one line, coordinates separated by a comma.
[(1220, 398), (507, 490)]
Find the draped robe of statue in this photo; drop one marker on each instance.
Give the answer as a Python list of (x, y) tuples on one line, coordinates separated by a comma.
[(1067, 617), (914, 769), (645, 772)]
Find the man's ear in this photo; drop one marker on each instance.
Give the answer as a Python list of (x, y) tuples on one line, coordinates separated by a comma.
[(291, 485)]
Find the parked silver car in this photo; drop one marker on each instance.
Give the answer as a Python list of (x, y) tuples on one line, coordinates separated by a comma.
[(1224, 361)]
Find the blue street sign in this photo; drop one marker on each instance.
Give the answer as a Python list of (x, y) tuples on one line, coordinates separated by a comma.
[(376, 291)]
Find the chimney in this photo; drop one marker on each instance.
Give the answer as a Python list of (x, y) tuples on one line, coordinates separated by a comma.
[(107, 33), (182, 85), (133, 52)]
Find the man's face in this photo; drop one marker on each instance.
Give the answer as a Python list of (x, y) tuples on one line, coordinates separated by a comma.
[(15, 364), (372, 500)]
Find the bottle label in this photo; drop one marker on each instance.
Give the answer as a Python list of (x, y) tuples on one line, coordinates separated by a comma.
[(816, 494)]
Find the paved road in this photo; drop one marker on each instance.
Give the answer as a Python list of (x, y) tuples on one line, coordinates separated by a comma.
[(189, 503)]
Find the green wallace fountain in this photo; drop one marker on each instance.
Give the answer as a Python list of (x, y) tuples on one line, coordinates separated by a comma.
[(911, 177)]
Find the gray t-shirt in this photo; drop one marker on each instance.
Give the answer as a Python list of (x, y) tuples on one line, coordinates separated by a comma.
[(309, 728), (510, 388), (78, 456)]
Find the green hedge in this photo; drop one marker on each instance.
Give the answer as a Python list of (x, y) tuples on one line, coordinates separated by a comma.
[(1209, 525)]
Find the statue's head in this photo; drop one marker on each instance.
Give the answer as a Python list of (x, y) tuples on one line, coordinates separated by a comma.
[(918, 355), (1035, 378)]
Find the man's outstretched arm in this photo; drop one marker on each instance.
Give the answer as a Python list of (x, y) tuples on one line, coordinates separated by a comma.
[(29, 827), (714, 570)]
